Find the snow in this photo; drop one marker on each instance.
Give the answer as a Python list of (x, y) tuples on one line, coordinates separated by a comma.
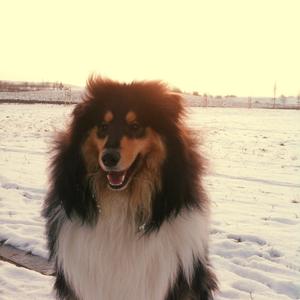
[(253, 181), (24, 146), (246, 102), (20, 283), (75, 94), (42, 95)]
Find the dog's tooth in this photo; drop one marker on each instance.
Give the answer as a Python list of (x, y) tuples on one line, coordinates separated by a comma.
[(123, 177)]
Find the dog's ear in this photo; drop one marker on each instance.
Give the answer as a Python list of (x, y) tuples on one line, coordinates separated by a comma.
[(70, 185), (180, 172), (180, 185)]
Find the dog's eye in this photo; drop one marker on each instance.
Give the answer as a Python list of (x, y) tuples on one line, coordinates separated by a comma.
[(134, 126), (103, 127)]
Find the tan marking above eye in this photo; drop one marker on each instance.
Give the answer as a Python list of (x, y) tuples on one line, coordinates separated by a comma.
[(108, 117), (130, 117)]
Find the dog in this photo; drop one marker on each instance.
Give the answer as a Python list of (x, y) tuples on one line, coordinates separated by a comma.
[(127, 217)]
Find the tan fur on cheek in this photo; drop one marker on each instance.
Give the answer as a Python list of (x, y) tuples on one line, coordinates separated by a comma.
[(150, 146), (91, 150), (148, 178), (156, 150)]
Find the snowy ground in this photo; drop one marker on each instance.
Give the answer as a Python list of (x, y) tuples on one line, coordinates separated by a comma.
[(50, 95), (19, 283), (242, 102), (253, 182)]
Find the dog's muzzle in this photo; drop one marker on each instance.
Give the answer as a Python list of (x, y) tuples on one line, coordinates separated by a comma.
[(110, 158)]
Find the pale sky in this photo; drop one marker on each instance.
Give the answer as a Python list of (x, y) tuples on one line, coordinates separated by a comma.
[(219, 46)]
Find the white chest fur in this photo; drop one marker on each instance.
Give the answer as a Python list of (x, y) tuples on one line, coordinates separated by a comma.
[(112, 262)]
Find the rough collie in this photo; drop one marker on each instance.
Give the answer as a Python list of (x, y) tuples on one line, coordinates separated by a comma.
[(127, 215)]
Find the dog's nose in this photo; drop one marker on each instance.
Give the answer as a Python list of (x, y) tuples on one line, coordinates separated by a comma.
[(110, 158)]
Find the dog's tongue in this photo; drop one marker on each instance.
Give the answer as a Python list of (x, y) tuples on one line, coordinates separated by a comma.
[(116, 178)]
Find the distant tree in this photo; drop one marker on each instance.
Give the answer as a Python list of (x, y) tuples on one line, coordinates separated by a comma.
[(26, 85), (177, 90), (195, 93)]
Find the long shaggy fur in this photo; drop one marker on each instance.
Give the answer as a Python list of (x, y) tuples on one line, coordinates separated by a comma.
[(147, 242)]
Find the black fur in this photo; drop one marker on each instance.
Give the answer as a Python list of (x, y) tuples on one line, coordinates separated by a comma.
[(70, 185), (181, 180), (62, 288), (200, 288)]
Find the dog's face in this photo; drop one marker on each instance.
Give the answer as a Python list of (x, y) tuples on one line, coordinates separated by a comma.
[(128, 125), (127, 143), (123, 141), (123, 147)]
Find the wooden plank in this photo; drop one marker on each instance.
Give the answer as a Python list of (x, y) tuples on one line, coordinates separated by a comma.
[(25, 259)]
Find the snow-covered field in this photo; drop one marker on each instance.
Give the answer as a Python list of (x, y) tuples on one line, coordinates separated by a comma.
[(243, 102), (253, 181), (47, 95), (74, 95)]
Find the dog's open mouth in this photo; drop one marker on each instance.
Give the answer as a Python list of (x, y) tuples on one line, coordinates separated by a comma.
[(119, 179)]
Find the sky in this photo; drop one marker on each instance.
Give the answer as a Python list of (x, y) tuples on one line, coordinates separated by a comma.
[(218, 47)]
